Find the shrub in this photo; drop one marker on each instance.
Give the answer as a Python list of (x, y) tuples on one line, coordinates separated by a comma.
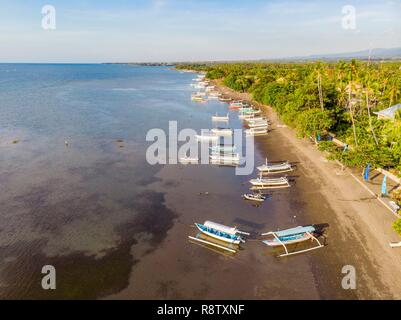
[(397, 226)]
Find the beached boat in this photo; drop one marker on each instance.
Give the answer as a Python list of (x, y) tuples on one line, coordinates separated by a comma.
[(292, 236), (222, 131), (245, 117), (237, 104), (220, 118), (259, 131), (252, 118), (275, 167), (258, 197), (207, 137), (221, 232), (197, 97), (228, 157), (258, 124), (212, 97), (245, 109), (189, 160), (269, 183), (249, 111), (223, 148), (224, 99)]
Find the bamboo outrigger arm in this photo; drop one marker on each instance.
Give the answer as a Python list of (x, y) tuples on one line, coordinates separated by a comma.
[(212, 244), (287, 253)]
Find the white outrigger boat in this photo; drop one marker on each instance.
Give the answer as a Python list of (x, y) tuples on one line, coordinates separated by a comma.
[(269, 183), (258, 124), (258, 197), (222, 149), (245, 117), (189, 160), (293, 236), (239, 104), (222, 131), (224, 157), (220, 118), (221, 232), (258, 131), (197, 97), (275, 167), (252, 118), (206, 137)]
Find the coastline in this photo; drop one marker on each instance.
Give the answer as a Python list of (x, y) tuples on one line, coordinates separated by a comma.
[(182, 270), (364, 225)]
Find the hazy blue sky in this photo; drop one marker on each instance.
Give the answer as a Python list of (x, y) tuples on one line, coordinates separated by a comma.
[(149, 30)]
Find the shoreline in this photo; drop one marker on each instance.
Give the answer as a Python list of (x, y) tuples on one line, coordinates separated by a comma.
[(182, 270), (365, 220)]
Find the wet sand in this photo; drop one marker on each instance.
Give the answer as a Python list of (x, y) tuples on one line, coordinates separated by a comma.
[(357, 236)]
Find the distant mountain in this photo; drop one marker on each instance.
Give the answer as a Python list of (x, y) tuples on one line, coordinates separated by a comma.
[(375, 54)]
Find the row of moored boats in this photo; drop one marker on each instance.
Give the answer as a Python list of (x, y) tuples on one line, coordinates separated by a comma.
[(269, 177)]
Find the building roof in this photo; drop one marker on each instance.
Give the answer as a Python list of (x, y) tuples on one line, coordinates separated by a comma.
[(389, 112)]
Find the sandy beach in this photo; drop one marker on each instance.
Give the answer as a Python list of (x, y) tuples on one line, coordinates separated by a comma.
[(360, 226)]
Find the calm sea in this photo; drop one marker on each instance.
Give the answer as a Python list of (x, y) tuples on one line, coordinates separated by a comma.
[(77, 193), (80, 207)]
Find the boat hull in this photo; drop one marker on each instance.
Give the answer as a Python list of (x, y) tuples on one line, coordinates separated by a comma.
[(287, 240), (217, 236)]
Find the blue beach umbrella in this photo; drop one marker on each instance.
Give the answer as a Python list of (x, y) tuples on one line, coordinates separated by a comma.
[(384, 186), (367, 169)]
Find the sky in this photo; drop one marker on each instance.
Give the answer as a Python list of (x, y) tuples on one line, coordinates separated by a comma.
[(188, 30)]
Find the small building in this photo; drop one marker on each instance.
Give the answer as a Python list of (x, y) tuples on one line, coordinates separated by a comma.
[(389, 113)]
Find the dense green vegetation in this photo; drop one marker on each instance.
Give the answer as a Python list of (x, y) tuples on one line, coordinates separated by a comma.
[(318, 97)]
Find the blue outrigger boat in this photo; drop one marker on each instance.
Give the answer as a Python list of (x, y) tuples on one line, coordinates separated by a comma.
[(292, 236), (221, 232)]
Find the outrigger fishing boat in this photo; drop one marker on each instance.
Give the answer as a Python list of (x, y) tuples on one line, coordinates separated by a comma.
[(213, 96), (222, 131), (253, 118), (225, 163), (293, 236), (275, 167), (258, 124), (221, 232), (258, 131), (220, 118), (235, 105), (250, 111), (222, 149), (258, 197), (189, 160), (197, 97), (206, 137), (225, 157), (269, 183)]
